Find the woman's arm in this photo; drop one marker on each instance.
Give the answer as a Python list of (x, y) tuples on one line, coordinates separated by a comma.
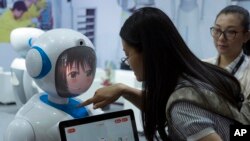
[(211, 137), (133, 95), (109, 94)]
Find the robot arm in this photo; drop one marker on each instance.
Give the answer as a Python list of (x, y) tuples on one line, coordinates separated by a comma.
[(19, 129)]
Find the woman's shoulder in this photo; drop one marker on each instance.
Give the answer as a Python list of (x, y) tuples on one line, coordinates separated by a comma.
[(199, 122), (185, 93), (202, 98), (211, 60), (244, 71), (247, 60)]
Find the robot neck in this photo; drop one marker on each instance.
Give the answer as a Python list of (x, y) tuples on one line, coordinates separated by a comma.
[(58, 100)]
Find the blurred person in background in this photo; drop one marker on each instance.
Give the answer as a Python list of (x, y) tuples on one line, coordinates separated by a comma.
[(231, 38), (11, 19)]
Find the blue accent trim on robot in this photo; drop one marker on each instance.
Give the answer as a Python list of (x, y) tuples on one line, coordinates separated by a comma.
[(29, 42), (46, 64), (70, 108)]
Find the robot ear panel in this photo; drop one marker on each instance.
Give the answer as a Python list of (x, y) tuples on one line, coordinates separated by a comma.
[(37, 63)]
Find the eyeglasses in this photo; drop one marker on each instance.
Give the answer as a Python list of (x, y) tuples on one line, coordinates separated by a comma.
[(228, 34), (124, 60)]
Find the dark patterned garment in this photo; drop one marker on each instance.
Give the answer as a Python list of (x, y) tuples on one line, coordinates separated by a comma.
[(192, 123)]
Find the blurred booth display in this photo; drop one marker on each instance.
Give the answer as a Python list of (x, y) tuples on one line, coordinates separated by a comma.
[(188, 16), (3, 4), (84, 21), (24, 13), (7, 94), (109, 71), (45, 19)]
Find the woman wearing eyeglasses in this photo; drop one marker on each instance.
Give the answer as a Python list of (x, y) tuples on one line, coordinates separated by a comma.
[(231, 34), (160, 59)]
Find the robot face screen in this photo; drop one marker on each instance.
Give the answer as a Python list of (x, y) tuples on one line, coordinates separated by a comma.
[(75, 71)]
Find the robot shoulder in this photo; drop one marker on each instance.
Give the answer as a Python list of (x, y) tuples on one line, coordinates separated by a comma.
[(19, 129), (32, 103)]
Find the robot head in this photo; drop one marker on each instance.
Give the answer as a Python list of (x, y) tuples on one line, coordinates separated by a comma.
[(22, 38), (62, 62)]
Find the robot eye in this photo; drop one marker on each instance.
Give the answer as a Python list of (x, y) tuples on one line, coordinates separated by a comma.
[(81, 42)]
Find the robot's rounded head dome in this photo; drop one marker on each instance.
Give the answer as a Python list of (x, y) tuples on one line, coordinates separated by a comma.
[(63, 62)]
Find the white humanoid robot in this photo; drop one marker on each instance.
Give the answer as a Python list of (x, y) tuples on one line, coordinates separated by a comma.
[(62, 63), (23, 85)]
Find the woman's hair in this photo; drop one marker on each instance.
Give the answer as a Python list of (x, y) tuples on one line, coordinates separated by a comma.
[(234, 9), (166, 58), (20, 6), (82, 56)]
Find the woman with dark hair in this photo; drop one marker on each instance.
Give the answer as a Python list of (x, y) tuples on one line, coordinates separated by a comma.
[(231, 37), (160, 59)]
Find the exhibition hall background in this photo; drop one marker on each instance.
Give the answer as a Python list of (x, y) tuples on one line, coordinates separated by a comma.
[(101, 20)]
